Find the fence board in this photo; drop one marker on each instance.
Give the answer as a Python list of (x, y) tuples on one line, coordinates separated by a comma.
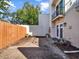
[(10, 34)]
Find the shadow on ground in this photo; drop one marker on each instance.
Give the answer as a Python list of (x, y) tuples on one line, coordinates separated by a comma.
[(46, 50)]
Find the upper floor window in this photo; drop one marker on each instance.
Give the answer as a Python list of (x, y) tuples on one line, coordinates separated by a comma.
[(77, 3), (68, 4), (62, 3), (60, 7)]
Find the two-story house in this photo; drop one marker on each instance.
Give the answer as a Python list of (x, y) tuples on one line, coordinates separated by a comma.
[(64, 16)]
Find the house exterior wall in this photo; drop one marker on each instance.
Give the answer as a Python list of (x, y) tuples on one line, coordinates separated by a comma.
[(71, 31), (53, 15), (42, 28)]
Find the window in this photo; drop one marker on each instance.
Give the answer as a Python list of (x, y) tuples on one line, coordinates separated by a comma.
[(57, 31), (69, 3), (77, 3), (61, 30), (57, 10), (60, 8)]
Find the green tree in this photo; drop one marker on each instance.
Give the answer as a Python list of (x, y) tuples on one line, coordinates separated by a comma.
[(4, 6), (32, 13), (28, 14)]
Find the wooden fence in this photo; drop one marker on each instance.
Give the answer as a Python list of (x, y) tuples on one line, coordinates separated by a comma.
[(10, 34)]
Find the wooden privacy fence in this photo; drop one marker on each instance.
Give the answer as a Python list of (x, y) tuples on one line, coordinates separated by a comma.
[(10, 34)]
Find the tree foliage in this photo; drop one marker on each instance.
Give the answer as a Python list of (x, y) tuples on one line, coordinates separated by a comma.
[(4, 6), (28, 14)]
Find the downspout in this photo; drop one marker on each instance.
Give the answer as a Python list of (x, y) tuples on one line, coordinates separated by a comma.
[(50, 26)]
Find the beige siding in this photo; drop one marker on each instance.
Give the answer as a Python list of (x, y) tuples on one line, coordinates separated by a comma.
[(71, 31)]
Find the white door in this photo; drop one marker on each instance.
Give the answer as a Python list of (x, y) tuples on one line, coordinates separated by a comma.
[(59, 31)]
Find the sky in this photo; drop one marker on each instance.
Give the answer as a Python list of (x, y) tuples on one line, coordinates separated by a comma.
[(17, 4)]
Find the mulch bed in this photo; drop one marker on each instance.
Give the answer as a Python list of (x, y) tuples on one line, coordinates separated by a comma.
[(65, 47)]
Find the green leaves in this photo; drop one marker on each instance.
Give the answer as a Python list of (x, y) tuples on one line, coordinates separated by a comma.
[(4, 6), (28, 14)]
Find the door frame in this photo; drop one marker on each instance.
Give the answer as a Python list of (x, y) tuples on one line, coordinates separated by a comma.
[(59, 27)]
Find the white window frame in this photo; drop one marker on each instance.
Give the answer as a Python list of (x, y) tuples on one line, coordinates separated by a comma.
[(59, 30)]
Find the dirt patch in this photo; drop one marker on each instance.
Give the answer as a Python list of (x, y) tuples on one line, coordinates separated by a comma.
[(36, 53), (27, 42)]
